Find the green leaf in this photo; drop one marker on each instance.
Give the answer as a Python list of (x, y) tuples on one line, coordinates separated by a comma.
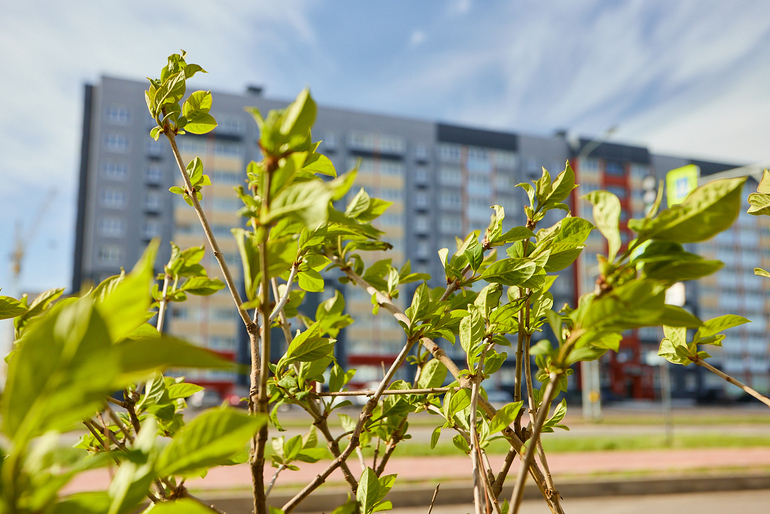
[(432, 375), (180, 506), (675, 316), (139, 357), (10, 307), (200, 123), (199, 101), (471, 332), (96, 502), (420, 303), (300, 115), (720, 324), (126, 307), (607, 217), (133, 478), (305, 201), (307, 346), (59, 373), (183, 390), (202, 286), (637, 303), (208, 440), (509, 272), (562, 186), (708, 210), (504, 417), (322, 165), (458, 401), (368, 490)]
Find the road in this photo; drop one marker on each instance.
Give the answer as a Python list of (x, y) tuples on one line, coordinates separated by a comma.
[(740, 501)]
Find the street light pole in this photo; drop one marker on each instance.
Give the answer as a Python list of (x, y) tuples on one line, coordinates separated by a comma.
[(589, 370)]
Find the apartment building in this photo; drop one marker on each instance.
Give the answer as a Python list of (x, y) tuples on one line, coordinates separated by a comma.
[(441, 178)]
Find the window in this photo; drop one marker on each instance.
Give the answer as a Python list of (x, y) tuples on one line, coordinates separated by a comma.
[(449, 152), (390, 219), (116, 142), (118, 115), (507, 160), (450, 200), (154, 148), (449, 176), (421, 200), (421, 223), (226, 343), (421, 152), (505, 182), (330, 141), (152, 201), (229, 125), (226, 177), (390, 194), (115, 170), (110, 255), (422, 250), (639, 171), (451, 224), (188, 228), (376, 142), (618, 191), (153, 174), (112, 198), (588, 165), (227, 314), (378, 166), (227, 204), (179, 312), (228, 149), (151, 228), (421, 175), (110, 226), (614, 168)]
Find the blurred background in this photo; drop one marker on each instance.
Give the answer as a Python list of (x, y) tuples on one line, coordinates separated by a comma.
[(448, 105)]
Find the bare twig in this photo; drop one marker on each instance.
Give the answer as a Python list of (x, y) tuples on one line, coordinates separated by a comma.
[(354, 438), (190, 191), (529, 456), (476, 385), (439, 354), (391, 447), (454, 285), (119, 423), (275, 477), (497, 485), (433, 500), (764, 399), (370, 392), (163, 303), (283, 300), (361, 460)]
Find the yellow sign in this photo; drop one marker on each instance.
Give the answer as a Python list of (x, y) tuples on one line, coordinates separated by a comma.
[(680, 182)]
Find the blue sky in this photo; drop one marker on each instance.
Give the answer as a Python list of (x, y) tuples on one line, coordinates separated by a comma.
[(687, 77)]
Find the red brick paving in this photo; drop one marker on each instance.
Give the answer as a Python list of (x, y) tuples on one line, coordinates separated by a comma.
[(459, 468)]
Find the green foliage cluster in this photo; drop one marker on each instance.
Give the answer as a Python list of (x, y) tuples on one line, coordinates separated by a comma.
[(72, 354)]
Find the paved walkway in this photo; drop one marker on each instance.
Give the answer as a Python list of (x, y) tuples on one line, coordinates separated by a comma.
[(575, 465)]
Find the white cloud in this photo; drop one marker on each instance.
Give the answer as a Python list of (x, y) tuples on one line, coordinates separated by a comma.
[(417, 37), (460, 7)]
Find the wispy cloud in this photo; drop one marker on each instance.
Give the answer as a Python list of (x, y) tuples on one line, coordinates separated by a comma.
[(417, 37)]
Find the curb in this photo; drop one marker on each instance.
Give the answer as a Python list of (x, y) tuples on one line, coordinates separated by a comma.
[(462, 493)]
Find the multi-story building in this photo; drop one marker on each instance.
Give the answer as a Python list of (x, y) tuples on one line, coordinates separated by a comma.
[(442, 180)]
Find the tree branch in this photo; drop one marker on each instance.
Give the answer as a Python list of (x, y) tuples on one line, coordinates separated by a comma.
[(764, 399), (370, 392), (529, 456), (163, 303), (354, 438)]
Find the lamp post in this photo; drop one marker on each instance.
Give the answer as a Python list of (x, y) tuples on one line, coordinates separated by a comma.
[(589, 370)]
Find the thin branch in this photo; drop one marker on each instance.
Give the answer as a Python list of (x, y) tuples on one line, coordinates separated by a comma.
[(285, 298), (163, 303), (433, 500), (283, 320), (370, 392), (476, 385), (354, 438), (190, 191), (454, 285), (488, 480), (764, 399), (529, 456), (119, 423), (117, 402), (396, 438), (361, 460), (497, 485), (275, 477), (439, 354)]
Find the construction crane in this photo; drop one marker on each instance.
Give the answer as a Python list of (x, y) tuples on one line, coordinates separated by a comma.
[(22, 239)]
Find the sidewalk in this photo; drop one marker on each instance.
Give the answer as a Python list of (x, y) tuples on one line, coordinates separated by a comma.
[(585, 466)]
